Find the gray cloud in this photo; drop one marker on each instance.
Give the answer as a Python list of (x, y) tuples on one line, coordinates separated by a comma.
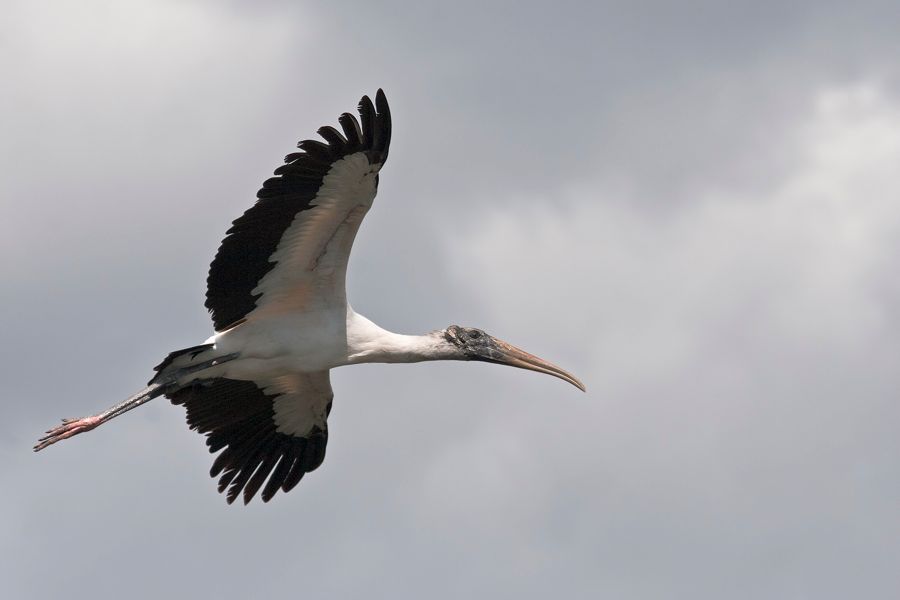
[(739, 347), (692, 208)]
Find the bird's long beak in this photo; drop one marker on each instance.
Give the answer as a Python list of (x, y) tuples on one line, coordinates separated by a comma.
[(507, 354)]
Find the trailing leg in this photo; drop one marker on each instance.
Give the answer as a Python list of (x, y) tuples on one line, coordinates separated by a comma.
[(72, 427), (157, 387)]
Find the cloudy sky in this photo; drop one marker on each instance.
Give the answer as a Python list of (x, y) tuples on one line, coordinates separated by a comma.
[(693, 207)]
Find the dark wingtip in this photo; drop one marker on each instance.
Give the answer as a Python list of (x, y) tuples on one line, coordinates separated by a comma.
[(365, 104), (367, 118), (226, 479), (382, 139), (381, 105), (352, 130)]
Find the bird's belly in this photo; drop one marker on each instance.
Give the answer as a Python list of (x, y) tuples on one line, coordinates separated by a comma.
[(284, 344)]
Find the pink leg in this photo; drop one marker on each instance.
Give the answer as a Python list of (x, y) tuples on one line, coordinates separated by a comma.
[(72, 427)]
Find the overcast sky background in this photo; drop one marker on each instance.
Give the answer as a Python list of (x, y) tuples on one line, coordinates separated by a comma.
[(695, 207)]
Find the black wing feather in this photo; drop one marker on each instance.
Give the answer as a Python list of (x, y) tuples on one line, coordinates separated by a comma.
[(352, 130), (239, 417), (317, 151), (278, 475), (333, 137), (367, 118), (270, 457), (382, 140)]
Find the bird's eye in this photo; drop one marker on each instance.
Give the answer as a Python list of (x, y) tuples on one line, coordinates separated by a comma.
[(475, 334)]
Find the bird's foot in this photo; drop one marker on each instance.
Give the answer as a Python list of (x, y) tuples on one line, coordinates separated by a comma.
[(68, 428)]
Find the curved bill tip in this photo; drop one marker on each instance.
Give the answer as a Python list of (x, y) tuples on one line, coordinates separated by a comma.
[(516, 357)]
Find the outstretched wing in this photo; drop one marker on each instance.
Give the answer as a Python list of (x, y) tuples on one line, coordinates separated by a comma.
[(290, 250), (270, 432)]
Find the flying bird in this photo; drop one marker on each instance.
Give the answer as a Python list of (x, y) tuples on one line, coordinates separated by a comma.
[(259, 388)]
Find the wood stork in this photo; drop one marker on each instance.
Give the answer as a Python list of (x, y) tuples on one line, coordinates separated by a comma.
[(259, 388)]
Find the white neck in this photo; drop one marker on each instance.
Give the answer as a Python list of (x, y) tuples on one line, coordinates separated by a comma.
[(368, 343)]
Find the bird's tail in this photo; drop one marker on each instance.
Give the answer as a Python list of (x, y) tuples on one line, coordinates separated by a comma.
[(177, 360)]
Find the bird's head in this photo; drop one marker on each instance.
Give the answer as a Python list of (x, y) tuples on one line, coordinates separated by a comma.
[(475, 344)]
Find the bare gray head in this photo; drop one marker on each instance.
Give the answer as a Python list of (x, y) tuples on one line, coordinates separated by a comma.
[(475, 344)]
